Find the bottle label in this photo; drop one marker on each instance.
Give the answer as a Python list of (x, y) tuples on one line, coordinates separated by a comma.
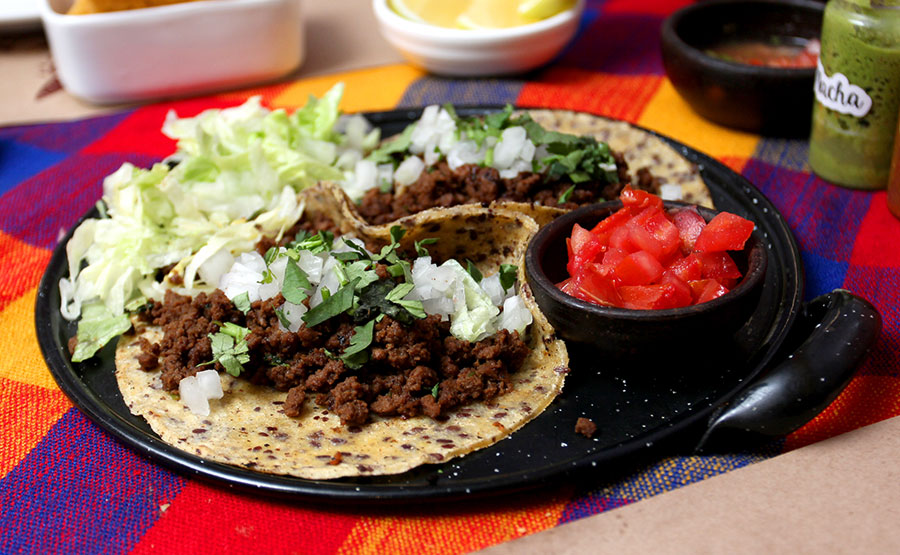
[(837, 93)]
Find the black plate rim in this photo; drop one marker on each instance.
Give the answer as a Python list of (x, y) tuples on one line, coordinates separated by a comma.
[(150, 446)]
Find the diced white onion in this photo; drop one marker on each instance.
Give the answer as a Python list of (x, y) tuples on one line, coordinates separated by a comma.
[(196, 391), (210, 384), (294, 314), (512, 141), (670, 191), (244, 276), (212, 270), (515, 315), (409, 170)]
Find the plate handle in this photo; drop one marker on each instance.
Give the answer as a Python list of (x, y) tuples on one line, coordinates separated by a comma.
[(835, 332)]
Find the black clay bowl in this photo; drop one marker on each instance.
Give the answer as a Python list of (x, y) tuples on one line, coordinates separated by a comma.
[(761, 99), (628, 334)]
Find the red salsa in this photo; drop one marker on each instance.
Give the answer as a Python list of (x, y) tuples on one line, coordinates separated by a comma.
[(645, 257), (793, 53)]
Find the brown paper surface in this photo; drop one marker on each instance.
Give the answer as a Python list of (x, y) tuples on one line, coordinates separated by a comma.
[(841, 495), (340, 35)]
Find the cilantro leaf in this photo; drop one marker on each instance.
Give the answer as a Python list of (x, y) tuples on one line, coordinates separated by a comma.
[(474, 271), (362, 272), (356, 354), (420, 246), (564, 198), (373, 302), (229, 348), (399, 292), (335, 304), (414, 307), (508, 275), (397, 233), (283, 318), (320, 242), (296, 283), (242, 302), (398, 145), (435, 390)]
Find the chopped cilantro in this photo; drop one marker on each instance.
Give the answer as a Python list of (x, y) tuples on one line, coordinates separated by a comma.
[(229, 348), (435, 391), (283, 318), (399, 292), (564, 198), (420, 246), (373, 301), (361, 271), (242, 302), (508, 275), (356, 354), (474, 271), (274, 360), (335, 304), (270, 255), (296, 283), (320, 242), (397, 233)]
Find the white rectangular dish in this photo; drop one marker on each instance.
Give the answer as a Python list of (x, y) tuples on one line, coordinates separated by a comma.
[(173, 50)]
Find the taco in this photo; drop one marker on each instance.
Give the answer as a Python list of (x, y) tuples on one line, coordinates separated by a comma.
[(539, 162), (408, 373)]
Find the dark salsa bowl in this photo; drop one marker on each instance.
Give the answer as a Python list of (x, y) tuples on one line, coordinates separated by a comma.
[(756, 98), (632, 334)]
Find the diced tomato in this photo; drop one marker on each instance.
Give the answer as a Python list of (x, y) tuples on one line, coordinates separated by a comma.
[(567, 286), (689, 223), (643, 257), (620, 238), (585, 247), (683, 295), (638, 199), (706, 290), (638, 268), (607, 225), (596, 285), (613, 256), (645, 297), (688, 268), (652, 231), (725, 232), (717, 265)]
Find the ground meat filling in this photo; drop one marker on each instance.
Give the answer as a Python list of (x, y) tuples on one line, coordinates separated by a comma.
[(442, 187), (413, 369), (585, 427)]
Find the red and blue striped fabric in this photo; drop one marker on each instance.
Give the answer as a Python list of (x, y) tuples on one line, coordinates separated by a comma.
[(66, 486)]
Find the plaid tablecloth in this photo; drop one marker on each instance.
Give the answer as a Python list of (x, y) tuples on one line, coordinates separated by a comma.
[(66, 486)]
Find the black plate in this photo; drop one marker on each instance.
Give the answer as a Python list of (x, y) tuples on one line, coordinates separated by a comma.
[(638, 410)]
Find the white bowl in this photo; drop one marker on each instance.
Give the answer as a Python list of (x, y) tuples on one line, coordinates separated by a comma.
[(172, 50), (478, 52)]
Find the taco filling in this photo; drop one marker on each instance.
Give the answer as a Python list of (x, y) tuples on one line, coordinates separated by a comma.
[(367, 354), (446, 160), (359, 332)]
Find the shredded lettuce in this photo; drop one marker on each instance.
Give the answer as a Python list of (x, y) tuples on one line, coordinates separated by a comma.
[(474, 314), (233, 178)]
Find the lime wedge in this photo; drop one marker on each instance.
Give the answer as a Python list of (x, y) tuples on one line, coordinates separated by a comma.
[(492, 14), (542, 9), (436, 12)]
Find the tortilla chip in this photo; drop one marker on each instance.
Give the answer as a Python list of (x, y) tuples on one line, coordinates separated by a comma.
[(83, 7), (247, 427)]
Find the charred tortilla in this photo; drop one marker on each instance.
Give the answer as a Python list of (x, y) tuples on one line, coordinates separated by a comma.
[(248, 427)]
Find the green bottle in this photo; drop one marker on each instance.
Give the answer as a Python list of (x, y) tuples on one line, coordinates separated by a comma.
[(857, 92)]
